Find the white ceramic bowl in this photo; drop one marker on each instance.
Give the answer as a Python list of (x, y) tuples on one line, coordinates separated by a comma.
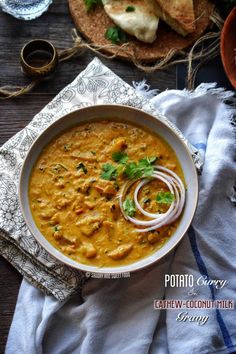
[(129, 115)]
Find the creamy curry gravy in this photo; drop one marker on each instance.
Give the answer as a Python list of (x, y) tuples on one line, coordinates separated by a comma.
[(78, 211)]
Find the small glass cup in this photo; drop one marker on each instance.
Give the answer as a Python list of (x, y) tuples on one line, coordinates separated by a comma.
[(25, 9)]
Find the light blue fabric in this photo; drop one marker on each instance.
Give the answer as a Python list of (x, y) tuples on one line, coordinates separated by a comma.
[(117, 316)]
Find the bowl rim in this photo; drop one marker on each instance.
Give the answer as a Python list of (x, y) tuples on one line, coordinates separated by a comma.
[(58, 255)]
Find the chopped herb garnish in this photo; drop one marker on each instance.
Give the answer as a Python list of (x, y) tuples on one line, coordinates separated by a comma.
[(91, 4), (129, 207), (133, 171), (151, 159), (165, 198), (120, 157), (142, 168), (130, 9), (93, 152), (58, 167), (109, 172), (115, 34), (56, 228), (82, 167), (67, 147)]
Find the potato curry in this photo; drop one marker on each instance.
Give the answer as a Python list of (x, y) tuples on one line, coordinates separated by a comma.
[(82, 193)]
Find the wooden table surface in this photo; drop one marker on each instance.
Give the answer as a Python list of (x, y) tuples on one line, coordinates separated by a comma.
[(56, 25)]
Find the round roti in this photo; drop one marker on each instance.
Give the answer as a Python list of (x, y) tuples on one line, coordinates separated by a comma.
[(93, 25)]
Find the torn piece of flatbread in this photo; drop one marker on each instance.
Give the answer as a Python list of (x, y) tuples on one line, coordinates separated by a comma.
[(136, 17), (178, 14)]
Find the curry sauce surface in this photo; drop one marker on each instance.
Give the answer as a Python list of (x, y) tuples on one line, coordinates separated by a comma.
[(78, 211)]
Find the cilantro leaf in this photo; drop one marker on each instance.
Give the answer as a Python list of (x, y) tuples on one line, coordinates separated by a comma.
[(165, 198), (120, 157), (129, 207), (130, 9), (115, 34), (82, 167), (148, 161), (109, 172), (90, 4), (132, 170), (143, 168)]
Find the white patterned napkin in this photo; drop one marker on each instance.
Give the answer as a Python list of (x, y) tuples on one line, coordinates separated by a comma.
[(95, 85)]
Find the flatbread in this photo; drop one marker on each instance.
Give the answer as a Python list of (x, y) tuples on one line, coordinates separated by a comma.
[(94, 24), (178, 14), (142, 22)]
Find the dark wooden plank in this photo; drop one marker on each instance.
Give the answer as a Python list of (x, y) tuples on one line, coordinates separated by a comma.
[(55, 25), (16, 113), (9, 284), (212, 72)]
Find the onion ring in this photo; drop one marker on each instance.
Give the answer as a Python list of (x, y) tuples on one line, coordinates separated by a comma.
[(157, 220)]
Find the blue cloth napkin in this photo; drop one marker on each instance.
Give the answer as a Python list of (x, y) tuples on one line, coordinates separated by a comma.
[(118, 315)]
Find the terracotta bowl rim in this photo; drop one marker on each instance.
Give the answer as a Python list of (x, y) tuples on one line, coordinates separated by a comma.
[(224, 33)]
